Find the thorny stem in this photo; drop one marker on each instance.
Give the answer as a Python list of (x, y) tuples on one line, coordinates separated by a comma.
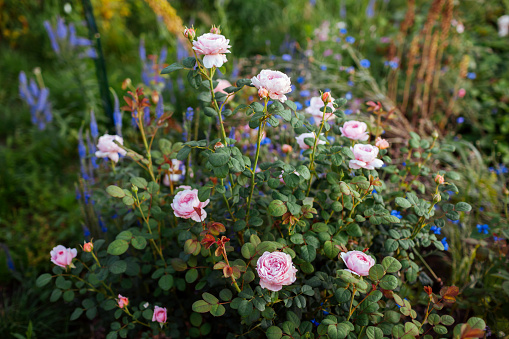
[(350, 312), (149, 156)]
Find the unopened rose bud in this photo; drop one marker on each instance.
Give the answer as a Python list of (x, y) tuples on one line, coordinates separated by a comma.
[(134, 189), (506, 191), (190, 33), (88, 247), (155, 97), (326, 97), (287, 148), (122, 301), (439, 179), (434, 134), (215, 30), (437, 197), (263, 93), (462, 92), (381, 143), (126, 83), (218, 144)]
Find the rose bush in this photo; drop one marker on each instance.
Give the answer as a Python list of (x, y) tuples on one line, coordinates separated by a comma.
[(236, 241)]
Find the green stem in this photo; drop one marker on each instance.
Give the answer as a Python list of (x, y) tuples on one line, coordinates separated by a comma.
[(157, 248), (149, 156), (258, 141), (350, 312), (312, 158)]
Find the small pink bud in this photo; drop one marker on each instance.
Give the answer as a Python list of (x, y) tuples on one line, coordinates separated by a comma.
[(263, 93), (326, 97), (462, 92), (381, 143), (218, 144), (215, 30), (88, 247), (122, 301), (287, 148), (439, 179), (190, 33)]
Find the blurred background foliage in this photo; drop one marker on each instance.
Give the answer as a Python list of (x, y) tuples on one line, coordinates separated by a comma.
[(39, 168)]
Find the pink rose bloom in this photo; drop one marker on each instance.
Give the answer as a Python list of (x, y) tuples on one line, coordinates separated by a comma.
[(62, 256), (365, 157), (213, 47), (187, 205), (275, 270), (275, 82), (302, 144), (108, 149), (122, 301), (221, 85), (357, 262), (355, 130), (184, 187), (462, 92), (316, 109), (381, 143), (177, 170), (287, 148), (159, 314)]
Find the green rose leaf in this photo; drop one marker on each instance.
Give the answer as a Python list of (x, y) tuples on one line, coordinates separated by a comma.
[(118, 247), (172, 68), (402, 202), (166, 282), (115, 191), (43, 280), (277, 208), (274, 332), (201, 306), (391, 265)]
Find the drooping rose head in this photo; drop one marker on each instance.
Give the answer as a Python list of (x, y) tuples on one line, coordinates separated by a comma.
[(106, 148), (62, 256), (276, 83), (213, 48), (275, 270), (159, 314), (122, 301), (187, 205), (221, 85), (316, 109), (303, 145), (355, 130), (365, 157), (358, 262), (381, 143)]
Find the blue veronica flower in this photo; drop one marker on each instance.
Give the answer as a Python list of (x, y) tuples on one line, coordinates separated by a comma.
[(265, 141), (286, 57), (471, 75), (307, 103), (292, 88), (323, 67), (348, 111), (343, 31), (299, 105), (93, 125), (304, 93), (393, 64), (331, 139), (350, 83), (397, 214), (300, 80), (444, 242), (460, 120), (435, 229), (350, 39), (483, 228), (365, 63), (160, 107), (348, 96), (86, 232), (374, 191), (370, 10), (314, 322), (338, 39), (404, 164)]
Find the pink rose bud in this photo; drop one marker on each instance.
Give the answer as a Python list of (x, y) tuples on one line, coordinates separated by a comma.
[(88, 247), (316, 109), (365, 157), (186, 205), (159, 314), (439, 179), (276, 83), (303, 145), (326, 98), (122, 301), (275, 270), (355, 130), (213, 47), (107, 148), (462, 92), (263, 93), (215, 30), (190, 33), (287, 148), (62, 256), (357, 262), (218, 144), (381, 143)]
